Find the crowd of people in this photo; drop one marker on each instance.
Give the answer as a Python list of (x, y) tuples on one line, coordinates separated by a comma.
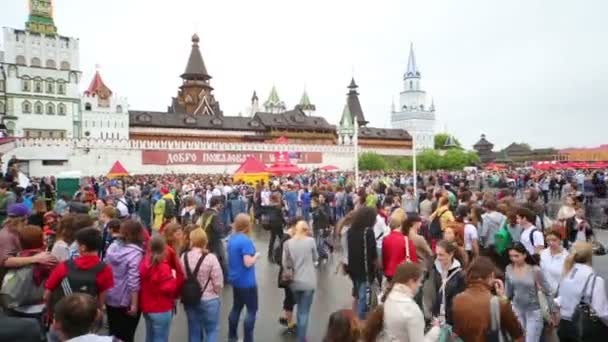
[(451, 259)]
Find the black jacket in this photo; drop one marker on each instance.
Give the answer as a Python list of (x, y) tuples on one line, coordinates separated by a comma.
[(276, 218), (356, 265), (454, 286), (320, 217)]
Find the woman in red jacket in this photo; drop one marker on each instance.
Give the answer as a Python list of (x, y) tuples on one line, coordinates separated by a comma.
[(159, 289)]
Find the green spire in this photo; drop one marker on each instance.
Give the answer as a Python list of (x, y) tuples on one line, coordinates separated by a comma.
[(41, 18), (274, 103), (346, 122), (305, 100), (273, 98)]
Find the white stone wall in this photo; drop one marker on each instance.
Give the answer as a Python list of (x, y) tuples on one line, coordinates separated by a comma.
[(58, 48), (111, 122), (95, 157)]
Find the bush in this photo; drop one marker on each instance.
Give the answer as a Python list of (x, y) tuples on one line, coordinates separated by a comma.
[(372, 161)]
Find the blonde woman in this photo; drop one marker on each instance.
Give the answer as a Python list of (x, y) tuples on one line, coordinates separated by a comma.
[(581, 283), (204, 317), (300, 255)]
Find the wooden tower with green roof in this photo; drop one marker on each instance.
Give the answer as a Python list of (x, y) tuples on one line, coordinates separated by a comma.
[(41, 18), (306, 105)]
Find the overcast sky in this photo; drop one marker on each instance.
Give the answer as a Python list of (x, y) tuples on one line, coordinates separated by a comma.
[(518, 70)]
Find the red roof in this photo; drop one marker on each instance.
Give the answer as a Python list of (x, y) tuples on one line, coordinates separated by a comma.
[(96, 85), (600, 148), (118, 170), (285, 169), (251, 165)]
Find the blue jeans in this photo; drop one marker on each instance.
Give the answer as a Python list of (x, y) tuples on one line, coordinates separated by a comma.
[(362, 309), (320, 242), (158, 325), (243, 297), (306, 213), (203, 321), (303, 302)]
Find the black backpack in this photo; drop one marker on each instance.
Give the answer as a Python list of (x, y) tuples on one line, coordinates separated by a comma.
[(169, 209), (435, 231), (77, 280), (191, 290)]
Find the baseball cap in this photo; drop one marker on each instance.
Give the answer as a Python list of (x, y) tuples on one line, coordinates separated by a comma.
[(18, 210)]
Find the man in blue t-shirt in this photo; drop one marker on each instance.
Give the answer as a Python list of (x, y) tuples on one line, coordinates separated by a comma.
[(241, 275)]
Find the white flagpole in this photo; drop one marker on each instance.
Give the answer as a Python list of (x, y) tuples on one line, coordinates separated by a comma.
[(414, 166), (356, 143)]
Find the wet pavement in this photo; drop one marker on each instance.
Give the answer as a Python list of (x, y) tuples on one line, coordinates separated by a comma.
[(333, 293)]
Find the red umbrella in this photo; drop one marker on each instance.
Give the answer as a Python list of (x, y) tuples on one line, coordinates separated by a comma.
[(329, 168)]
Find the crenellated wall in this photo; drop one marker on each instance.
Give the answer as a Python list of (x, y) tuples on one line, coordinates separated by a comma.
[(94, 157)]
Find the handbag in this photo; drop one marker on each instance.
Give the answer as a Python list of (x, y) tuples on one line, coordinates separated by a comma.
[(495, 334), (588, 325), (287, 274), (542, 300)]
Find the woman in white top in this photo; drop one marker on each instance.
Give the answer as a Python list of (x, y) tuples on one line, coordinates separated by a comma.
[(567, 210), (580, 281), (552, 259), (399, 319)]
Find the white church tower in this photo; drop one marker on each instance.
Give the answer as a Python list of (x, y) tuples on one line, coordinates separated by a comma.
[(416, 111)]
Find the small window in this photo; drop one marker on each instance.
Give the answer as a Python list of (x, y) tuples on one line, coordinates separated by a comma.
[(2, 85), (411, 85), (50, 109), (118, 109), (216, 122), (65, 65), (61, 89), (20, 60), (2, 107), (61, 110), (54, 162), (35, 62), (38, 86), (38, 108), (93, 123), (87, 107), (51, 64), (26, 84), (26, 107), (50, 86)]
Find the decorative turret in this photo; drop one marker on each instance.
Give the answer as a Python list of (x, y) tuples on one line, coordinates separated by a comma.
[(354, 105), (274, 104), (195, 95), (306, 105), (255, 104), (346, 129), (484, 149), (41, 18), (98, 89)]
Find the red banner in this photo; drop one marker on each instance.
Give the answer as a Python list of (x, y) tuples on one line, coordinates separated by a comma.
[(155, 157)]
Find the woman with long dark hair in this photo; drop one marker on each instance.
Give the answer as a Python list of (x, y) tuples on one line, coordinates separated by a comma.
[(523, 280), (448, 279), (362, 256)]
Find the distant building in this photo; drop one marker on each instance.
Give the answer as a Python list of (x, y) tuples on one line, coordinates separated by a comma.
[(104, 114), (416, 112), (39, 77), (515, 153), (599, 153)]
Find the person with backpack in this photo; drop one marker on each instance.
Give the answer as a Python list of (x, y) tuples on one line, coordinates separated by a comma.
[(581, 298), (242, 257), (124, 256), (439, 220), (161, 208), (202, 290), (472, 311), (531, 237), (159, 290), (85, 273)]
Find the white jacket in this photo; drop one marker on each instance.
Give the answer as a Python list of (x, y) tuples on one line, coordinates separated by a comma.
[(403, 320)]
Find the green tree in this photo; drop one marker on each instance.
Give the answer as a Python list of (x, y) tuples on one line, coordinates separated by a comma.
[(372, 161), (440, 140)]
